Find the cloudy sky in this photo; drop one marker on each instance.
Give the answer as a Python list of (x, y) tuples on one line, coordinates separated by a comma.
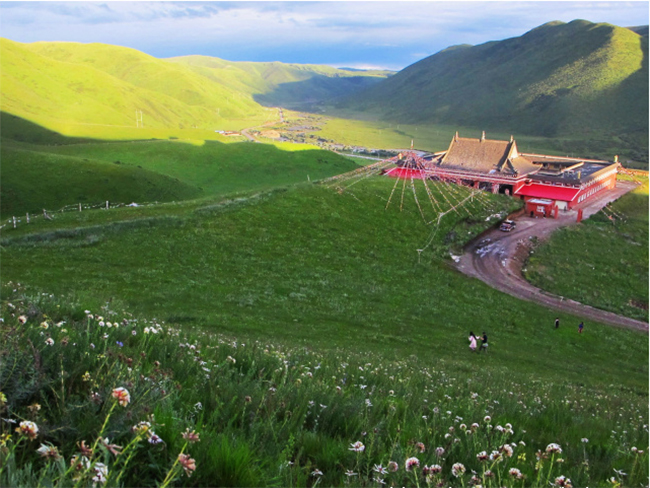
[(357, 34)]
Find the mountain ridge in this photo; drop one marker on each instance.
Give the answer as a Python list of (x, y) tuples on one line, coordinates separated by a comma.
[(559, 78)]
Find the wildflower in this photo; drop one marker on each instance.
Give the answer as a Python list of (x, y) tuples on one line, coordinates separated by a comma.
[(495, 456), (487, 419), (86, 376), (563, 481), (458, 469), (22, 319), (113, 448), (634, 449), (231, 359), (553, 448), (620, 472), (440, 451), (507, 450), (411, 463), (85, 450), (122, 395), (44, 325), (79, 462), (482, 456), (420, 447), (474, 427), (154, 439), (30, 429), (191, 437), (35, 407), (188, 464), (392, 466), (119, 343), (198, 406), (378, 468), (95, 397), (49, 452), (349, 473), (101, 473), (133, 332), (49, 341), (435, 469), (317, 472), (515, 473), (357, 447), (489, 473)]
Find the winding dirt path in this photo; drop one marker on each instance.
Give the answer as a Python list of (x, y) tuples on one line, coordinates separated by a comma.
[(496, 258)]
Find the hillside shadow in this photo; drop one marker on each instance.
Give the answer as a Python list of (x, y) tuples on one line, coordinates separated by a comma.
[(21, 130), (308, 95)]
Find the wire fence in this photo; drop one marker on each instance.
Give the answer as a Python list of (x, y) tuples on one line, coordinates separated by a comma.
[(15, 221)]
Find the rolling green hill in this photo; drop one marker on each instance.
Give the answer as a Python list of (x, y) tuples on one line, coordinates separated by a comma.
[(280, 84), (563, 79), (62, 84)]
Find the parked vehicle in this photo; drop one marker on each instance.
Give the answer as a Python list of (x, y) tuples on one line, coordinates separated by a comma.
[(508, 225)]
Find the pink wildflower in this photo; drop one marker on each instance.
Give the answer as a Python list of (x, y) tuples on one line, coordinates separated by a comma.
[(411, 463), (30, 429), (188, 464), (122, 395)]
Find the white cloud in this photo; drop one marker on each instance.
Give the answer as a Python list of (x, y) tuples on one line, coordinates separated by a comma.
[(293, 30)]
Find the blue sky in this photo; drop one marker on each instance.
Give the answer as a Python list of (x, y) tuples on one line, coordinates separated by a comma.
[(360, 34)]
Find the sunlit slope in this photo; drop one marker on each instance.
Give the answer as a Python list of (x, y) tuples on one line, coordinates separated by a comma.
[(33, 180), (219, 168), (153, 74), (66, 87), (557, 78), (63, 84), (283, 84)]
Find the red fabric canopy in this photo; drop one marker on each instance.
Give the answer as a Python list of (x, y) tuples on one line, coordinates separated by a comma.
[(406, 173), (537, 190)]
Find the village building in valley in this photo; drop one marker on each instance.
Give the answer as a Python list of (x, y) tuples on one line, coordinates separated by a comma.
[(548, 184)]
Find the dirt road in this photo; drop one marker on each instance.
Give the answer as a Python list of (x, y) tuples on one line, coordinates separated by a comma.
[(496, 258)]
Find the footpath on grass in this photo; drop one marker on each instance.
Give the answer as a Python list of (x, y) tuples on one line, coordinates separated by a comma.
[(496, 258)]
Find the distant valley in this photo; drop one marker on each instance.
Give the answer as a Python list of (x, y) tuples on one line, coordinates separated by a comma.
[(580, 85)]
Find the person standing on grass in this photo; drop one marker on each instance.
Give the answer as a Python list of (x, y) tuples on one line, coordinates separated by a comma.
[(484, 342), (580, 327), (557, 323), (472, 341)]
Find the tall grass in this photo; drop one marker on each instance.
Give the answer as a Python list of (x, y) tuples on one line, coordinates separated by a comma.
[(247, 412), (573, 262)]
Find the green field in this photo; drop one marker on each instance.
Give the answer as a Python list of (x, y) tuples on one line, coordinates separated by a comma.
[(307, 290), (603, 262), (285, 315)]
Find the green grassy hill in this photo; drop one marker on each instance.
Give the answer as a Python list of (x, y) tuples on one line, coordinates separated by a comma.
[(33, 180), (577, 79), (296, 86), (51, 176), (61, 85)]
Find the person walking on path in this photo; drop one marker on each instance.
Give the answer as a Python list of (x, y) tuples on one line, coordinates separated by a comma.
[(557, 323), (484, 342), (472, 341), (580, 327)]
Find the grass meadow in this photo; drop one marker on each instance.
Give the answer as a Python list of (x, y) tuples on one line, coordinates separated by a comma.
[(38, 176), (603, 262), (110, 398), (277, 332)]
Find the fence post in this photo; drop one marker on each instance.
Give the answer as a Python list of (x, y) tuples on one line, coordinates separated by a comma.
[(80, 207), (14, 219), (106, 204), (28, 217)]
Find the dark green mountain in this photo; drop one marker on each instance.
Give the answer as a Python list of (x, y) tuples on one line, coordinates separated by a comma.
[(569, 79)]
